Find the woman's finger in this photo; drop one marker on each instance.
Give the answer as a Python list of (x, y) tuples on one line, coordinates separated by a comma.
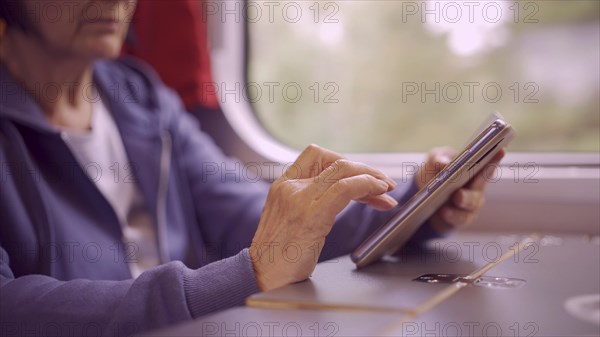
[(455, 217), (436, 160), (343, 168), (381, 202), (311, 162), (337, 197), (466, 199)]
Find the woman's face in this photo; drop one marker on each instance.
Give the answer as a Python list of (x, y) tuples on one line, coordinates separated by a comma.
[(87, 29)]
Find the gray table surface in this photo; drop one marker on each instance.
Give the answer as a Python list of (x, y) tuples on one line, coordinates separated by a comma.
[(379, 299)]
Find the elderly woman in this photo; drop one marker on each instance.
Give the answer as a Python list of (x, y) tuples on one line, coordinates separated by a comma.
[(112, 222)]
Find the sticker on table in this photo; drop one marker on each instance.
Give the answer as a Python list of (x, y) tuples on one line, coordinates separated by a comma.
[(493, 282), (585, 307)]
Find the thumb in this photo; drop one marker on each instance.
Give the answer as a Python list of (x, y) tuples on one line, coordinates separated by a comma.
[(440, 157), (437, 159), (439, 162)]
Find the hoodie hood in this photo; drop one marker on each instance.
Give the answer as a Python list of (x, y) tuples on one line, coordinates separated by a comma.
[(129, 91)]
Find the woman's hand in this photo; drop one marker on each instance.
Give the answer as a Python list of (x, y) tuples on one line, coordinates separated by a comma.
[(464, 204), (301, 208)]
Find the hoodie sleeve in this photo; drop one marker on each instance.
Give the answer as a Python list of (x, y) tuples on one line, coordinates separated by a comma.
[(32, 304), (38, 305)]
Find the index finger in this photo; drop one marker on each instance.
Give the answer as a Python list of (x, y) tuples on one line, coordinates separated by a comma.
[(343, 169), (312, 161), (358, 187)]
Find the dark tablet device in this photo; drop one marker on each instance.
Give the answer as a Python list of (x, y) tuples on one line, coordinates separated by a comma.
[(392, 235)]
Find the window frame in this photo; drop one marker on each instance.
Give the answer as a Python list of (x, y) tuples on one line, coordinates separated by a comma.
[(575, 175)]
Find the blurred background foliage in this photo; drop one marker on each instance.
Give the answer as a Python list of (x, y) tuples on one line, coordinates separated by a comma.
[(358, 64)]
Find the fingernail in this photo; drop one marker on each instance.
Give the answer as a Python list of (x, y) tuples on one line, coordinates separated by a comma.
[(444, 159), (392, 183), (393, 202)]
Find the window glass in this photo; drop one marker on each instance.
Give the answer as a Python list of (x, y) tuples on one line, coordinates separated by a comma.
[(377, 76)]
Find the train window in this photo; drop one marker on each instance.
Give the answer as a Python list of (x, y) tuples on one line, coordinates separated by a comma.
[(397, 76)]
